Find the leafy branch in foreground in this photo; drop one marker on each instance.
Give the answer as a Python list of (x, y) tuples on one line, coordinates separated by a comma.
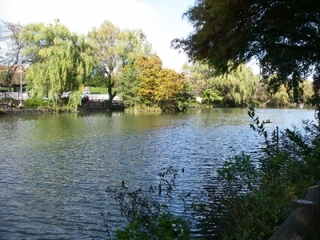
[(147, 211), (258, 126), (290, 165)]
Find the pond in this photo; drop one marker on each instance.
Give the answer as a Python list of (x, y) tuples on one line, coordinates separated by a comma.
[(54, 169)]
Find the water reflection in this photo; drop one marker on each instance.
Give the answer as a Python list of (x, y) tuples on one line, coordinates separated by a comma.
[(54, 169)]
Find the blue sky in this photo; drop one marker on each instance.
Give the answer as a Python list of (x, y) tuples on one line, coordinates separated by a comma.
[(160, 20)]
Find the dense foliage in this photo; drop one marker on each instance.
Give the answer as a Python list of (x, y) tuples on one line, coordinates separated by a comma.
[(282, 35), (159, 86), (260, 195), (59, 60), (55, 60), (148, 217), (35, 103), (234, 89), (241, 87), (113, 50)]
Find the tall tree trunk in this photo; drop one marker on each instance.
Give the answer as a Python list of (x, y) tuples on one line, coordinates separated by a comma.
[(110, 85)]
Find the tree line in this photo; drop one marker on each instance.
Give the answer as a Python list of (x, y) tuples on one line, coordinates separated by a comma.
[(55, 60), (283, 36), (241, 87)]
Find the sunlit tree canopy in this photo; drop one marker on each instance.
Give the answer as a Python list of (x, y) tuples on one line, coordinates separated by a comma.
[(283, 35), (59, 60)]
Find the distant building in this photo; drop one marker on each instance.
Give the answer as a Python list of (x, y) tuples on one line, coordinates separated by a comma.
[(199, 99)]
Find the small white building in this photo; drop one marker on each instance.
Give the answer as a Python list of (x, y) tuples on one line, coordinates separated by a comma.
[(14, 95), (199, 99)]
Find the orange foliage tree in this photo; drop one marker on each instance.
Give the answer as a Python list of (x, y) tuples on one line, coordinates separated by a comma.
[(148, 68), (159, 87), (168, 92)]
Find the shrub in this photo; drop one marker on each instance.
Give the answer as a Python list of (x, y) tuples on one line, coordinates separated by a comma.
[(148, 217), (290, 165), (34, 103)]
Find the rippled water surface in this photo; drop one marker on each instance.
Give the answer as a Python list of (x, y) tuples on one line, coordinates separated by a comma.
[(54, 169)]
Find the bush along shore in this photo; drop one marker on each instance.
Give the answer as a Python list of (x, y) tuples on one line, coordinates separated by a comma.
[(22, 111), (10, 106), (40, 106)]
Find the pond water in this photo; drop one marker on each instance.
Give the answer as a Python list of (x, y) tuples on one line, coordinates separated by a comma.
[(54, 169)]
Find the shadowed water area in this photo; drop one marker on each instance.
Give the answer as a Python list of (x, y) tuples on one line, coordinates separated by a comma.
[(54, 169)]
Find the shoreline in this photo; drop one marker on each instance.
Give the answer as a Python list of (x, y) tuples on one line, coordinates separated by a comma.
[(25, 111)]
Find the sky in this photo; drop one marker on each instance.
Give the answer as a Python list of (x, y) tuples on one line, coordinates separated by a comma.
[(160, 20)]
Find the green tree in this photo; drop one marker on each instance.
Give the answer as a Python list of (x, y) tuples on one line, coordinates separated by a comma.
[(280, 98), (105, 41), (132, 47), (241, 85), (283, 96), (237, 87), (199, 75), (306, 92), (282, 35), (133, 44), (59, 60), (116, 51), (208, 96)]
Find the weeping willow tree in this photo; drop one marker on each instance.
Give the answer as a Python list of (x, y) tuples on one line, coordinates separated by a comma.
[(237, 87), (59, 61), (200, 76), (241, 85)]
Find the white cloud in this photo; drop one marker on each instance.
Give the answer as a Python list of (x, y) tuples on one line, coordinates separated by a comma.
[(160, 25)]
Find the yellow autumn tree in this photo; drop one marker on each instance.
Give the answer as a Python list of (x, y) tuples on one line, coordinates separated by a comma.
[(148, 69), (171, 84), (159, 87)]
